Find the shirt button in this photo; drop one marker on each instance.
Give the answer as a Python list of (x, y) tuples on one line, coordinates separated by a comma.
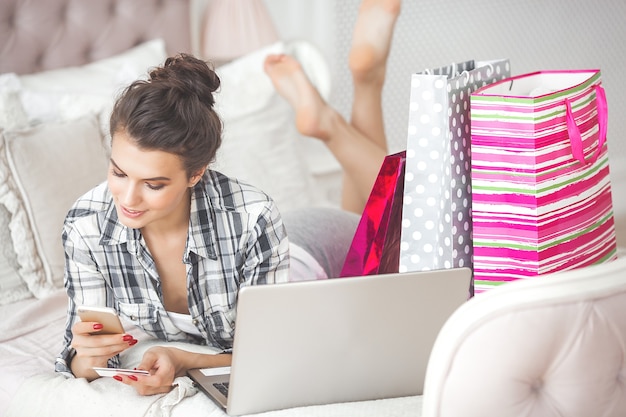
[(195, 322), (133, 318)]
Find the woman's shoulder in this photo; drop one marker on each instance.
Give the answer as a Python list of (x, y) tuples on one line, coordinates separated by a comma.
[(233, 194), (96, 200)]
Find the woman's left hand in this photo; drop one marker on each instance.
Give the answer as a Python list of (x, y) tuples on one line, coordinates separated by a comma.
[(162, 364), (167, 363)]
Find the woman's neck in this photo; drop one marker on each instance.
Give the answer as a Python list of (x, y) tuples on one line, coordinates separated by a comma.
[(175, 224)]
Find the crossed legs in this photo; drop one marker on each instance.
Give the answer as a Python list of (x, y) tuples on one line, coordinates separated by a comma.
[(359, 145)]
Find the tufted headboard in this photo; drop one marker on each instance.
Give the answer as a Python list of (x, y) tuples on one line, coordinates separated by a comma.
[(37, 35)]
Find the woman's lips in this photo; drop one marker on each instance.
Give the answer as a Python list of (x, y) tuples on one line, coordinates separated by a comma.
[(131, 213)]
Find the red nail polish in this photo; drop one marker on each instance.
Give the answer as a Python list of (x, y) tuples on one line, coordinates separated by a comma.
[(118, 378), (133, 377), (127, 338), (98, 326), (133, 342)]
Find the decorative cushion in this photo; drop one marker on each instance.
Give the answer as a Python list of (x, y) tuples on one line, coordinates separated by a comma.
[(52, 165), (12, 287), (19, 234)]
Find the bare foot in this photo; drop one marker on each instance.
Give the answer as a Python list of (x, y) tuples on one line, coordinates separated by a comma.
[(371, 39), (291, 82)]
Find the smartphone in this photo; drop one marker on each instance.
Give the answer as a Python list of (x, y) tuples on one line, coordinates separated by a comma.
[(103, 315)]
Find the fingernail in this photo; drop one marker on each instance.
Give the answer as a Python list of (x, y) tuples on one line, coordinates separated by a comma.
[(127, 338), (98, 326), (133, 377), (133, 342), (117, 378)]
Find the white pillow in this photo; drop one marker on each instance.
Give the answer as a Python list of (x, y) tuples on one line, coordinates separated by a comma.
[(68, 93), (260, 142), (52, 165)]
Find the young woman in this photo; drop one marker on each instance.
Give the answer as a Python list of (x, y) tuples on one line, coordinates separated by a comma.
[(165, 241), (168, 243)]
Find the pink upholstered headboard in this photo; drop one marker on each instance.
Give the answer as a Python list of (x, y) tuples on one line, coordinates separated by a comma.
[(37, 35)]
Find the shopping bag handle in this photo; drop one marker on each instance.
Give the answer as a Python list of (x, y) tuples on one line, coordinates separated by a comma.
[(574, 132)]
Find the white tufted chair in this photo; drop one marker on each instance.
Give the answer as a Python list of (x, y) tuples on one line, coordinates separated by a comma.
[(544, 347)]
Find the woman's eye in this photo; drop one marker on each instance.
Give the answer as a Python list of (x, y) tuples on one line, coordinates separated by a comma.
[(118, 174), (154, 187)]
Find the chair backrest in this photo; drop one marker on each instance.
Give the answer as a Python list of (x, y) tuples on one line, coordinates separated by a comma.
[(553, 345)]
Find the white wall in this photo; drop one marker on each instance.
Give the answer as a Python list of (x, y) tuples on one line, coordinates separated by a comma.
[(534, 34)]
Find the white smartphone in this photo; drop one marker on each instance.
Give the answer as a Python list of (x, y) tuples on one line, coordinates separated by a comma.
[(103, 315)]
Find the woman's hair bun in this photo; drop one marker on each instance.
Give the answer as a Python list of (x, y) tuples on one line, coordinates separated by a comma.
[(188, 75)]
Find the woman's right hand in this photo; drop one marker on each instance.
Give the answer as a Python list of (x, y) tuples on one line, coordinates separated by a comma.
[(93, 349)]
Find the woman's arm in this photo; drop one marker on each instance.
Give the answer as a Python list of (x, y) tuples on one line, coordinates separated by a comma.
[(83, 347), (184, 360), (167, 363), (267, 257)]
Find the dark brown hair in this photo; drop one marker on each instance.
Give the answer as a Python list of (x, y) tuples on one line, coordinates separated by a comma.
[(172, 111)]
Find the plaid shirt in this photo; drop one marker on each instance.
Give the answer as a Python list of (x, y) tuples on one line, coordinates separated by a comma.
[(236, 238)]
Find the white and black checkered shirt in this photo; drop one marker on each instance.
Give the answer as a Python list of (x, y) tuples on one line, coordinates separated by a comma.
[(236, 238)]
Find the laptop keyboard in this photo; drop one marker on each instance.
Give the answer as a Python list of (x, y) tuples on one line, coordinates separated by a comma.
[(222, 387)]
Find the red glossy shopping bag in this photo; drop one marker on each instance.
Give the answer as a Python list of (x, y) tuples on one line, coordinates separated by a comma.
[(375, 248)]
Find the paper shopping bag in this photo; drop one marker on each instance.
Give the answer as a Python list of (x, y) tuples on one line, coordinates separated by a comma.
[(436, 223), (375, 247), (541, 192)]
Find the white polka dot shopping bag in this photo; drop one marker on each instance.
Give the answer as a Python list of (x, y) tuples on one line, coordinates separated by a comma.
[(541, 192), (436, 228)]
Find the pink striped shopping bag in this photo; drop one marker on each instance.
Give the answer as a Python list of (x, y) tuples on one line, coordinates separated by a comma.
[(541, 192)]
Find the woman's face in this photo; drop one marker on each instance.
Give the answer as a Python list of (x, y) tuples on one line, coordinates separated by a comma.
[(149, 187)]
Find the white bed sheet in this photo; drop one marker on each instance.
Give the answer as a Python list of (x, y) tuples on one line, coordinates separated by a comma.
[(30, 338)]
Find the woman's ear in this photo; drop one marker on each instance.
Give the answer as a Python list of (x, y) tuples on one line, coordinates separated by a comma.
[(195, 178)]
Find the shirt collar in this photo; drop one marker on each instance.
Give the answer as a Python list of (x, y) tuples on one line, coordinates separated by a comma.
[(113, 231), (202, 237)]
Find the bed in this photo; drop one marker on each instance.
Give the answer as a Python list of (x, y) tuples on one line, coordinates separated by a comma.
[(61, 64)]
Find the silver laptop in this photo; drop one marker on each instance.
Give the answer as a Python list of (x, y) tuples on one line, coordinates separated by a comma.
[(337, 340)]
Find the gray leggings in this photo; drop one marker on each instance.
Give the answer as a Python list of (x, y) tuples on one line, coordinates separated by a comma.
[(325, 233)]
